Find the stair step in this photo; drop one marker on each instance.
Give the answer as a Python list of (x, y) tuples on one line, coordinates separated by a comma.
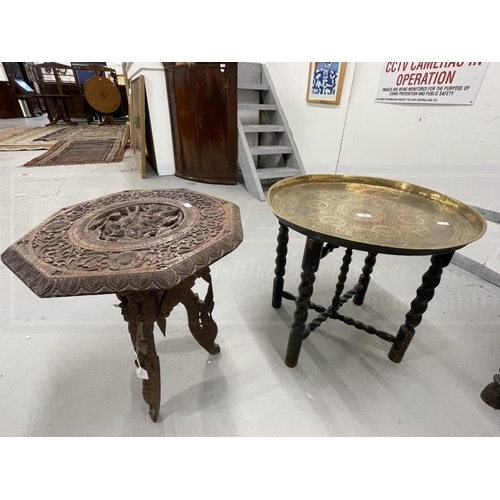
[(270, 150), (277, 172), (252, 86), (262, 107), (263, 128)]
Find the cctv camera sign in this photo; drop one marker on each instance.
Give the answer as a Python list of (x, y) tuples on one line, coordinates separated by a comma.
[(430, 82)]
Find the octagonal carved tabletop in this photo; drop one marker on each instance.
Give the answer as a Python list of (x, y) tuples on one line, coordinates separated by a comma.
[(127, 241), (148, 247)]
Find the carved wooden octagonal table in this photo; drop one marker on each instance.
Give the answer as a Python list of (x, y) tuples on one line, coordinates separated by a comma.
[(148, 248), (373, 215)]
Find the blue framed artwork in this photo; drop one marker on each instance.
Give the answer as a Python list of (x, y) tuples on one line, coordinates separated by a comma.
[(325, 82)]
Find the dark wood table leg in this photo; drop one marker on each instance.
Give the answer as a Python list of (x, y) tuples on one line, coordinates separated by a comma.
[(140, 310), (149, 361), (65, 114), (344, 270), (56, 118), (310, 264), (279, 271), (364, 279), (336, 300), (425, 293), (199, 312), (491, 393), (200, 321), (60, 115), (108, 120)]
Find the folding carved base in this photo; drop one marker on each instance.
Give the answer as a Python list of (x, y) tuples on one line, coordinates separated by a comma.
[(142, 310)]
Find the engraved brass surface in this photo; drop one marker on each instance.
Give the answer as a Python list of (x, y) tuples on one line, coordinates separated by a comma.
[(375, 214)]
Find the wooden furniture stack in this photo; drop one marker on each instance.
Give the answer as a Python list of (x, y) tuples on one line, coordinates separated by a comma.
[(58, 85)]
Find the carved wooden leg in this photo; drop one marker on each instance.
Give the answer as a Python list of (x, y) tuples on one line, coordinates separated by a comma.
[(425, 292), (140, 310), (364, 279), (149, 360), (201, 324), (108, 120), (132, 330), (279, 271), (60, 114), (310, 264), (491, 393)]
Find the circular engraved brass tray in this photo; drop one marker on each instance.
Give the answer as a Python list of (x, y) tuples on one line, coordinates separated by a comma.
[(373, 214)]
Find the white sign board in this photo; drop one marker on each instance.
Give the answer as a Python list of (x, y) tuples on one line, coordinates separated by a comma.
[(430, 82)]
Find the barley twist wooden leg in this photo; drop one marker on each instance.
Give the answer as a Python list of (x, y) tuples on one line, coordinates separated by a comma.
[(310, 264), (279, 271), (425, 292), (364, 279), (344, 270)]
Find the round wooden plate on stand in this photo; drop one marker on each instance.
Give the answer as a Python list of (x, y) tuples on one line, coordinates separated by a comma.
[(103, 95)]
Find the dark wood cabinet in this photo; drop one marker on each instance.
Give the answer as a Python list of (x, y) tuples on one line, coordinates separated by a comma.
[(203, 107), (19, 77), (9, 106)]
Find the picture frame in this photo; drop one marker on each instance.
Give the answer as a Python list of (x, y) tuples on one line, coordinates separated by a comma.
[(325, 82)]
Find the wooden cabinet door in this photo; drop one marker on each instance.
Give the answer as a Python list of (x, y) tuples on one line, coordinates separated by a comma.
[(183, 121), (203, 102), (214, 122)]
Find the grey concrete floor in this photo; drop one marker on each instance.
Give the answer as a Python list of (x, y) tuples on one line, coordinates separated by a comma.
[(66, 364)]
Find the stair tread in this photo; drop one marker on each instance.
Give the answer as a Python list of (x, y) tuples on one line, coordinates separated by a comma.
[(270, 150), (277, 172), (252, 86), (244, 106), (263, 128)]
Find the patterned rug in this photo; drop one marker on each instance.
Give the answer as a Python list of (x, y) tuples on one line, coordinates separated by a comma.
[(33, 138), (81, 152)]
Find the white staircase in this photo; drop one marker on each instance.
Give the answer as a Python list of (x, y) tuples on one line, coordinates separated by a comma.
[(266, 149)]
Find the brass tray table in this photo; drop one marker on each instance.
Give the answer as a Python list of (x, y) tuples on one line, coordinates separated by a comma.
[(148, 247), (373, 215)]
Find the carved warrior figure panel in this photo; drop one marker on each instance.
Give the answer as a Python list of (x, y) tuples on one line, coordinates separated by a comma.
[(128, 241)]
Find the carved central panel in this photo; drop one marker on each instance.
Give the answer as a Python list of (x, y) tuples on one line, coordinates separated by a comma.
[(136, 222)]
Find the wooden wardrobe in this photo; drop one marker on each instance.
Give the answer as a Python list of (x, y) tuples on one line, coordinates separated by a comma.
[(203, 107)]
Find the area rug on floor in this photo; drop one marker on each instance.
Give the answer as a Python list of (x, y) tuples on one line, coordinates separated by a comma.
[(34, 138), (81, 152)]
